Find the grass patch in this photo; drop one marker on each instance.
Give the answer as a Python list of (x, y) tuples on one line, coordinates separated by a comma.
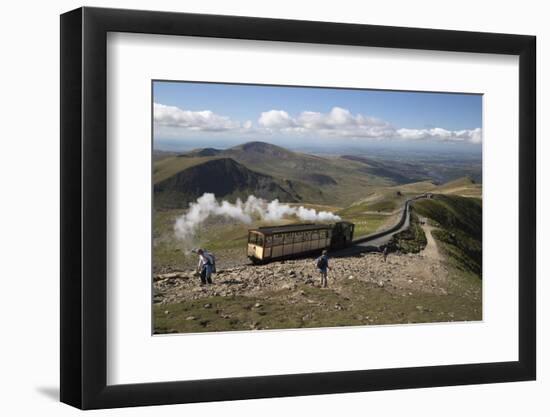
[(384, 206), (367, 223), (358, 303), (463, 250)]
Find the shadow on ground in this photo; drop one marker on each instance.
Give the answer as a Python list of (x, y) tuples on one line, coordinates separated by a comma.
[(50, 392)]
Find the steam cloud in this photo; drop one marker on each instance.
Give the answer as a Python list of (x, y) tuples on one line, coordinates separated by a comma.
[(244, 212)]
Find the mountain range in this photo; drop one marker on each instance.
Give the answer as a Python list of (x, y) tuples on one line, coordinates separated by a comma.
[(269, 171)]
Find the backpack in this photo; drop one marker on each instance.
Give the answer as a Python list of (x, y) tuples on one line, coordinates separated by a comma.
[(211, 260), (322, 262)]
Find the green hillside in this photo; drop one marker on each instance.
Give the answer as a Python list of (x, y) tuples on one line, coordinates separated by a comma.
[(339, 180), (459, 222), (223, 177), (389, 199), (304, 178), (172, 165)]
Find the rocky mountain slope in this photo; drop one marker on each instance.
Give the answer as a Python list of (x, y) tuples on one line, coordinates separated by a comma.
[(225, 178), (305, 178)]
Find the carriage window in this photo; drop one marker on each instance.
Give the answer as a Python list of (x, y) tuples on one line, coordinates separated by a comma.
[(260, 241), (277, 240), (252, 237), (288, 238), (298, 237), (307, 236), (322, 234), (268, 241), (314, 235)]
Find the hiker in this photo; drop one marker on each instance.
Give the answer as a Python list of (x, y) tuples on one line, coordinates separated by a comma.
[(206, 266), (385, 253), (322, 266)]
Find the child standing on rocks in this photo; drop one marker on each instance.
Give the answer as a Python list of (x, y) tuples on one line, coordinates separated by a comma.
[(322, 266)]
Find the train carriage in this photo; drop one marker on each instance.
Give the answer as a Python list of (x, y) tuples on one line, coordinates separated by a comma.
[(282, 242)]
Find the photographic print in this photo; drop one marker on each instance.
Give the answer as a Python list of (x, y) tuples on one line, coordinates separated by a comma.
[(285, 207)]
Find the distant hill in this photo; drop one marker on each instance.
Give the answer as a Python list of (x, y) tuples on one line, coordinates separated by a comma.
[(251, 149), (168, 167), (465, 186), (296, 176), (338, 179), (225, 178), (201, 152), (159, 155), (307, 178), (439, 170), (400, 173), (276, 160), (388, 199)]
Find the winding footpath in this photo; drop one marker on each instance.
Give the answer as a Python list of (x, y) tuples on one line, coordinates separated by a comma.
[(430, 251)]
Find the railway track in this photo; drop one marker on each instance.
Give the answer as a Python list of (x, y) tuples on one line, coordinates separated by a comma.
[(375, 241)]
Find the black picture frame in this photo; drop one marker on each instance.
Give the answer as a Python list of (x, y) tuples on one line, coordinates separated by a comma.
[(84, 207)]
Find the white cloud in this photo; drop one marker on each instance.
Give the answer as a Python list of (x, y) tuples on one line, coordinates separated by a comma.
[(276, 119), (341, 122), (470, 135), (337, 123), (336, 118), (205, 120)]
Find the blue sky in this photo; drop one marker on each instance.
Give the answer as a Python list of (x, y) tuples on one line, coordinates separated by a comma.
[(236, 113)]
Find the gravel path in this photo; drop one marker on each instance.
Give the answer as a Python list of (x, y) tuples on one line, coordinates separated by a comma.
[(431, 250)]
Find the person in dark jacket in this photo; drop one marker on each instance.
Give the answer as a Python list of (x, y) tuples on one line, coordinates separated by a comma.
[(323, 267)]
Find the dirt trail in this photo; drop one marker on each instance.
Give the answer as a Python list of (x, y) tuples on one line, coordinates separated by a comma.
[(430, 251)]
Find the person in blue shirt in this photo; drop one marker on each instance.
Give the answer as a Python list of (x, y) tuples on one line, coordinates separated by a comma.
[(323, 267)]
